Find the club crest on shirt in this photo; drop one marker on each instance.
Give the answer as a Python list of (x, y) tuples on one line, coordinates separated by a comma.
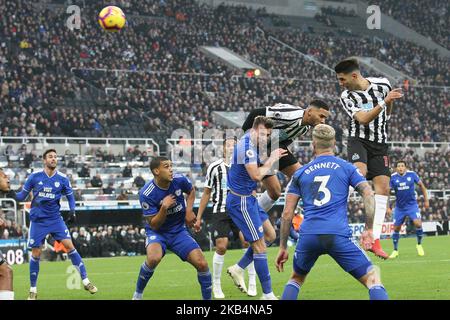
[(178, 192), (409, 179), (57, 184), (250, 153)]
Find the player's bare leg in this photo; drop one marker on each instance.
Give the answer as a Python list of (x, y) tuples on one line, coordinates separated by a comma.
[(6, 282), (79, 265), (153, 258), (372, 281), (252, 290), (293, 286), (34, 272), (218, 260), (197, 259), (419, 233), (379, 205), (395, 240)]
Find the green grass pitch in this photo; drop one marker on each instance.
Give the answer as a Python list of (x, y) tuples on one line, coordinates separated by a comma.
[(407, 277)]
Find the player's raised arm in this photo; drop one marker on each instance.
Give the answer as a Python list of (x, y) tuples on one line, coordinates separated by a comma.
[(156, 221), (258, 173), (26, 189), (365, 117)]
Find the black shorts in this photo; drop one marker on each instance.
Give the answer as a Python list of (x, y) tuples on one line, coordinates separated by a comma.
[(221, 226), (2, 260), (374, 155)]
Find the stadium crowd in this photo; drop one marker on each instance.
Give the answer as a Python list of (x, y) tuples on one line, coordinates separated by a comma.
[(427, 17)]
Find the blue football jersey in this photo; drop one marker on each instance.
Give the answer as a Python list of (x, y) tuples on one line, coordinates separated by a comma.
[(151, 197), (47, 192), (323, 186), (404, 187), (238, 179)]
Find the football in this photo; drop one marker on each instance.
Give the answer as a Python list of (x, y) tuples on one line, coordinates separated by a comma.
[(112, 19)]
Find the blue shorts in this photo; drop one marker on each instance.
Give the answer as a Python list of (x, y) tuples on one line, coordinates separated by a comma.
[(39, 230), (247, 215), (400, 214), (344, 250), (181, 243)]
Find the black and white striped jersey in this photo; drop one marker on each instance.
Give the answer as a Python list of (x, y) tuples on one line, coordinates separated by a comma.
[(288, 119), (216, 180), (365, 100)]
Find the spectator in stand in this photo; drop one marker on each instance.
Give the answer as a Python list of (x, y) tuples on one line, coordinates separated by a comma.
[(96, 181)]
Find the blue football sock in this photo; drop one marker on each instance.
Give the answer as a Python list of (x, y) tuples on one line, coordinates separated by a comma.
[(34, 270), (205, 280), (291, 290), (419, 234), (395, 238), (78, 263), (378, 293), (144, 276), (262, 269), (246, 259)]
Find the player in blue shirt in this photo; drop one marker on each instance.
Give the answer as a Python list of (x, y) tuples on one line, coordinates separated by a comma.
[(167, 214), (48, 186), (323, 185), (242, 205), (403, 183)]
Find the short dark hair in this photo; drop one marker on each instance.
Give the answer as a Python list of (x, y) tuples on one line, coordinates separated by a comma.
[(156, 162), (46, 152), (400, 161), (267, 122), (347, 66), (319, 104)]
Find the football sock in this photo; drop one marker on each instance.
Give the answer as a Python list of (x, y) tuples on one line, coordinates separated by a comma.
[(34, 271), (262, 270), (145, 274), (78, 263), (204, 278), (291, 290), (265, 201), (217, 267), (246, 259), (380, 212), (419, 234), (395, 238), (378, 292)]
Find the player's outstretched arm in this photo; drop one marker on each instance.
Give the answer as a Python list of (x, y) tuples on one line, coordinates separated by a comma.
[(286, 222), (203, 203)]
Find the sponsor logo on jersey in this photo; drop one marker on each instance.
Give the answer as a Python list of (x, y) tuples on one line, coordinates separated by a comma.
[(145, 205), (40, 183), (355, 156), (250, 153)]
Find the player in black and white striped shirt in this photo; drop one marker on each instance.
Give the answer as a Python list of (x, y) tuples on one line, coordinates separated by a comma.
[(290, 122), (368, 102), (221, 224)]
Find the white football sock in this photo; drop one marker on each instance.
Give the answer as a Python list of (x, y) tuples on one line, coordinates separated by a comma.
[(33, 289), (6, 295), (86, 281), (251, 274), (265, 201), (217, 267), (380, 212)]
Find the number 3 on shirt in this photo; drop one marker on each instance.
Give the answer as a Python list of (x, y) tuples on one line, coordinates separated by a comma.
[(322, 188)]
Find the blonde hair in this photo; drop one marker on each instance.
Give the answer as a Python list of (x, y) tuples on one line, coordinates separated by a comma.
[(324, 136)]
